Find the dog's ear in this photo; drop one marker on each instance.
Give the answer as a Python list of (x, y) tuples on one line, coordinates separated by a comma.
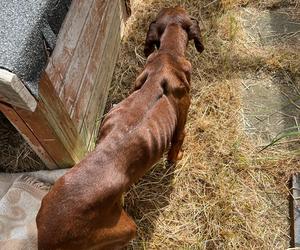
[(194, 33), (152, 39)]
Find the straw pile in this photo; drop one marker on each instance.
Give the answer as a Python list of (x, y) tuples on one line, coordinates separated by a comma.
[(223, 194), (15, 154)]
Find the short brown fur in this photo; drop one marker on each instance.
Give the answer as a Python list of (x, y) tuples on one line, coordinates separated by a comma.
[(83, 209)]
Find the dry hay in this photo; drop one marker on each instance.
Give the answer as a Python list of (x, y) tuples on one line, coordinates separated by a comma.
[(223, 194), (15, 154)]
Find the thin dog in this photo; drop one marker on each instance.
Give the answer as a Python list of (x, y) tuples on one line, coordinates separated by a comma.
[(83, 209)]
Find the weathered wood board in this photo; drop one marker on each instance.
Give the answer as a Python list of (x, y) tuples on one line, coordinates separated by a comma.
[(49, 130), (98, 99), (14, 92), (67, 41), (53, 127), (79, 65), (82, 65), (27, 134)]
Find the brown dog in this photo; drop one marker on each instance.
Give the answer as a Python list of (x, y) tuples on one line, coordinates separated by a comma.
[(83, 209)]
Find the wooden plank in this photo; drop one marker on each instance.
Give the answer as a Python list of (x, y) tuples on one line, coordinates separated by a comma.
[(40, 127), (53, 127), (67, 41), (99, 96), (97, 99), (27, 134), (103, 97), (295, 210), (79, 64), (57, 115), (14, 92), (95, 63)]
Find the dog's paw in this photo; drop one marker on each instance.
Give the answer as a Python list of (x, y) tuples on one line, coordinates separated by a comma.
[(179, 155), (174, 157)]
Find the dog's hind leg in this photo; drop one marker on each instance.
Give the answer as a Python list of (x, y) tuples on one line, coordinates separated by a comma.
[(175, 151)]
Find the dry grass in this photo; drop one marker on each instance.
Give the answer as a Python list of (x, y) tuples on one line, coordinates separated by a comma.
[(15, 154), (223, 194)]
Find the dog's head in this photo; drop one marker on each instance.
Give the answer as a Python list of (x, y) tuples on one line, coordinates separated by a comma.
[(174, 15)]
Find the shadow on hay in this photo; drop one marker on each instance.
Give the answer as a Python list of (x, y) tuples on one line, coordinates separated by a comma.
[(286, 29), (272, 101), (15, 154), (146, 200)]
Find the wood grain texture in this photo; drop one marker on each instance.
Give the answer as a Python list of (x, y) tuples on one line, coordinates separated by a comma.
[(58, 117), (99, 95), (97, 63), (84, 50), (85, 71), (50, 141), (51, 124), (28, 135), (14, 92), (67, 41)]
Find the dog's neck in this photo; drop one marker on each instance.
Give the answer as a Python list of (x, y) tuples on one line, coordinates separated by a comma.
[(174, 39)]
